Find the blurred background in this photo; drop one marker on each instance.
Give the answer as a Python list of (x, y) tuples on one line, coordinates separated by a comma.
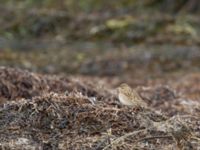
[(128, 39)]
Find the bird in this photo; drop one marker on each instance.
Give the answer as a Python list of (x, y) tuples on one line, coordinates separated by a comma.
[(129, 97)]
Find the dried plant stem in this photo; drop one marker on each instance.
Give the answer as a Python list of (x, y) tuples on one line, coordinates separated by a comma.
[(195, 138), (123, 137), (153, 137)]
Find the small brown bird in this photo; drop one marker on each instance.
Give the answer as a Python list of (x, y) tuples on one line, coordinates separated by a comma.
[(128, 96)]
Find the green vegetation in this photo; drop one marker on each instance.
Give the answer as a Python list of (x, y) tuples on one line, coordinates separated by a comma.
[(67, 34)]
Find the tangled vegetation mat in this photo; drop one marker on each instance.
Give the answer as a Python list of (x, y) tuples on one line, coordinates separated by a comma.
[(59, 112)]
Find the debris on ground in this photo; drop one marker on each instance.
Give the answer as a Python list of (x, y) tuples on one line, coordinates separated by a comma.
[(55, 112)]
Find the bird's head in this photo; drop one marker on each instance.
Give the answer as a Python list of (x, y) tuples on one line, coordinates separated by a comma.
[(123, 87)]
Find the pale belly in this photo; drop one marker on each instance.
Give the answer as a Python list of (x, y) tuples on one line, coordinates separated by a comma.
[(125, 101)]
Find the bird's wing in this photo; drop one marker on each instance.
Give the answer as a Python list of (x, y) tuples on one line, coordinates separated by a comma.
[(135, 95)]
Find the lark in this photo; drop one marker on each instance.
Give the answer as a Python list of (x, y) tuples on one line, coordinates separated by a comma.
[(128, 96)]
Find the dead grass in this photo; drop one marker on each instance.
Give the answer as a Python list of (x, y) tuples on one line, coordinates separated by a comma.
[(52, 112)]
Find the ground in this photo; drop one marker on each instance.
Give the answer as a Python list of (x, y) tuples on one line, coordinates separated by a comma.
[(65, 112)]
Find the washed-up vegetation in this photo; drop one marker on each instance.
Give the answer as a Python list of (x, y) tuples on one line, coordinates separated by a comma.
[(66, 113)]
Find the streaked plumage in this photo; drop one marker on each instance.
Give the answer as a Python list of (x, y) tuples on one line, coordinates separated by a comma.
[(128, 96)]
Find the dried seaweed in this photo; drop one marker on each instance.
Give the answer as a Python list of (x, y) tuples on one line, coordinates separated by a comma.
[(51, 112)]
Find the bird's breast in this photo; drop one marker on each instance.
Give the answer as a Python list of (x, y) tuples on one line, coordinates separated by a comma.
[(125, 100)]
